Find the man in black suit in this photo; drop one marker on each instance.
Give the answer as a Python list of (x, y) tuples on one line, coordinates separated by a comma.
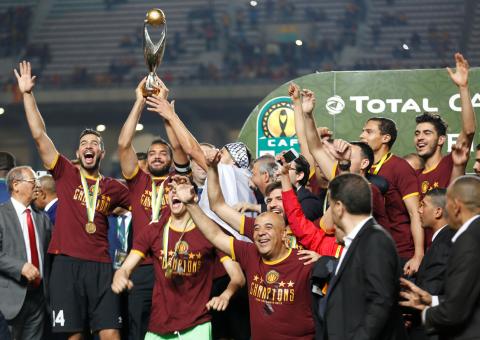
[(25, 234), (456, 315), (431, 274), (361, 301)]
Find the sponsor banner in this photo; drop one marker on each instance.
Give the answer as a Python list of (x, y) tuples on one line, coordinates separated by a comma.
[(345, 100)]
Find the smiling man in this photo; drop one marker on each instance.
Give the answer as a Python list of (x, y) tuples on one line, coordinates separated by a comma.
[(431, 135), (79, 241), (184, 267), (278, 281)]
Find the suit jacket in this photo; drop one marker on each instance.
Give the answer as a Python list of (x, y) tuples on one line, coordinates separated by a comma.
[(362, 300), (431, 273), (312, 206), (52, 212), (13, 255), (431, 276), (458, 314)]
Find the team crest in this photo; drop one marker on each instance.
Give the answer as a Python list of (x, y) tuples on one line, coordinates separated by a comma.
[(276, 127), (425, 186), (272, 276)]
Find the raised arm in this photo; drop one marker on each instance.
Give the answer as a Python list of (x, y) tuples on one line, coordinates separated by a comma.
[(215, 196), (212, 232), (315, 145), (46, 148), (460, 78), (299, 105), (126, 152), (189, 144)]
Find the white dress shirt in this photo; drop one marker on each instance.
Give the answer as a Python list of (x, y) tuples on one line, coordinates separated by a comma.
[(49, 205), (20, 209), (349, 239)]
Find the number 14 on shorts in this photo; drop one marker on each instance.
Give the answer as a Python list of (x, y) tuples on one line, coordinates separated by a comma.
[(58, 318)]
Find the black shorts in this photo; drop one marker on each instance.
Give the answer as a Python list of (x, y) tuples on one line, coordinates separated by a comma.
[(81, 297)]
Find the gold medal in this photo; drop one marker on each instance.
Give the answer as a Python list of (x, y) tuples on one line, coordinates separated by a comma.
[(90, 227)]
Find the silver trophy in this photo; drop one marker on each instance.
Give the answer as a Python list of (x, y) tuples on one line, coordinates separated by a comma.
[(153, 52)]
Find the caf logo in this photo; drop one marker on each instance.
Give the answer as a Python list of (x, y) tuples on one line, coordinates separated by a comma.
[(335, 105), (272, 276), (182, 247), (278, 120)]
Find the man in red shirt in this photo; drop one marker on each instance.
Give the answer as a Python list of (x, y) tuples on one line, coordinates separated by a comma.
[(401, 198), (431, 135), (245, 224), (80, 294), (145, 191), (184, 270), (278, 282)]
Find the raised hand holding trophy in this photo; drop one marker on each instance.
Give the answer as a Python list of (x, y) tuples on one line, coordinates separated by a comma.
[(153, 52)]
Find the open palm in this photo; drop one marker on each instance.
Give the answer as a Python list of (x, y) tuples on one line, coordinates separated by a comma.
[(460, 77), (25, 80)]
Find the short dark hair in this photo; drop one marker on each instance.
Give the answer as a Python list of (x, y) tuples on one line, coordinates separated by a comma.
[(386, 127), (301, 165), (7, 161), (272, 186), (88, 131), (367, 153), (141, 156), (435, 119), (353, 191), (438, 196), (162, 141)]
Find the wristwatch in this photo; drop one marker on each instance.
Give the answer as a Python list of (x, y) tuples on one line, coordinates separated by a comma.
[(344, 165)]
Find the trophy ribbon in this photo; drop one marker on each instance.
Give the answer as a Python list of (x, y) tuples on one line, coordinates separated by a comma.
[(157, 198), (90, 203)]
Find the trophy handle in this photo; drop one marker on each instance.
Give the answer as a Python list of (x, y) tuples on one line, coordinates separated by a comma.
[(153, 52)]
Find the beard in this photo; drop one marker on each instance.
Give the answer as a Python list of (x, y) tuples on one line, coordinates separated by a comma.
[(93, 167), (159, 172)]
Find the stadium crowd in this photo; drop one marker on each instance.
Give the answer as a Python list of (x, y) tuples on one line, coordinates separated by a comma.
[(345, 240)]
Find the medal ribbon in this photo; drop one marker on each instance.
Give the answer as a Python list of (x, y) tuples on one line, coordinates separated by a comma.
[(90, 200), (379, 165), (157, 198)]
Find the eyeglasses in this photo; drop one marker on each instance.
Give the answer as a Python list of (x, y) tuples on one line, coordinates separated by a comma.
[(34, 181)]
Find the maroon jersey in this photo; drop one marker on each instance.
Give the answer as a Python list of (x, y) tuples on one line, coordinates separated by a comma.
[(279, 294), (378, 201), (437, 177), (402, 184), (69, 236), (140, 192), (178, 302)]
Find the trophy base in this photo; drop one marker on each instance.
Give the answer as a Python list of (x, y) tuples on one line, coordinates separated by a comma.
[(147, 92)]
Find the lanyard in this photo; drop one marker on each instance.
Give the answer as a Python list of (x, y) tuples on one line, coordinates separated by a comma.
[(157, 197), (380, 164)]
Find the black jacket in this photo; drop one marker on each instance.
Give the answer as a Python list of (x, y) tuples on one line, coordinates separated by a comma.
[(362, 300)]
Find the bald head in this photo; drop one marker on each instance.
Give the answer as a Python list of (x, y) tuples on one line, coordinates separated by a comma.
[(466, 189), (46, 192), (275, 219), (462, 200)]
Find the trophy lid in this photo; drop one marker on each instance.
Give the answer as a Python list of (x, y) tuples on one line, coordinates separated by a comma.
[(155, 17)]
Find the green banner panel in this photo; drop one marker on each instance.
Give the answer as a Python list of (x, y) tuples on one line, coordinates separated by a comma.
[(345, 100)]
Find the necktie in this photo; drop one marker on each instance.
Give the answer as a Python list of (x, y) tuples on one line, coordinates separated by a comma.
[(33, 245)]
